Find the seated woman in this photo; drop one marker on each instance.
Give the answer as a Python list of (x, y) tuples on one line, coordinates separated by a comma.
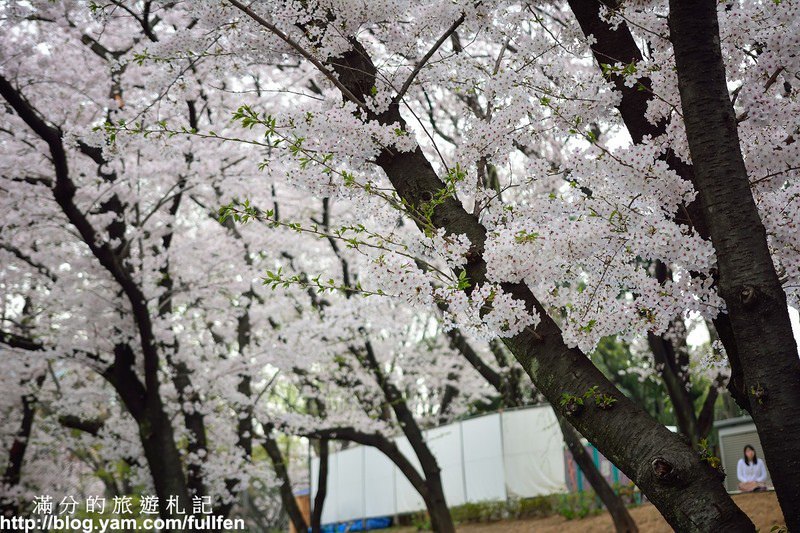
[(751, 471)]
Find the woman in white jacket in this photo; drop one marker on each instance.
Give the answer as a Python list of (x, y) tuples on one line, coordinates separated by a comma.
[(751, 471)]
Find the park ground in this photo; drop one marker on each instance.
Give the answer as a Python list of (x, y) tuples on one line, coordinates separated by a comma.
[(762, 508)]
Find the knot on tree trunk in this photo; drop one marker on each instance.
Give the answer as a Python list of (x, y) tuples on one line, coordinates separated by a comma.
[(759, 393), (664, 470), (473, 255), (573, 406), (748, 296)]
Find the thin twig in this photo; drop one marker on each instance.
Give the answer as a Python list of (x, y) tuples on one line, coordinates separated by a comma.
[(446, 35), (300, 50)]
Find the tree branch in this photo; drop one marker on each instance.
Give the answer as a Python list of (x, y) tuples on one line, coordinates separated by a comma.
[(379, 442), (20, 342), (16, 252), (421, 63), (300, 50)]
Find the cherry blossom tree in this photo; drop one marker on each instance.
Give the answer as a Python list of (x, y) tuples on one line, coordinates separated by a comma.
[(535, 177), (593, 240), (395, 362), (102, 272), (165, 316)]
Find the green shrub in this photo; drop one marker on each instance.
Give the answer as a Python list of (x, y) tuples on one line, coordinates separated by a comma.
[(480, 512), (513, 509), (579, 505), (569, 505), (420, 521), (537, 507)]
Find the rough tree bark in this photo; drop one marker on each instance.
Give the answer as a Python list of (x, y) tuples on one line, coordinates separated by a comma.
[(687, 492), (12, 475), (748, 281), (511, 394)]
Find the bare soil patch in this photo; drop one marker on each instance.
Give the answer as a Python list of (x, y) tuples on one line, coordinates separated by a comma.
[(761, 507)]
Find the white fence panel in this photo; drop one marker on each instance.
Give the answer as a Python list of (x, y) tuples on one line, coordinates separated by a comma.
[(534, 453), (445, 444), (350, 482), (516, 453), (379, 475), (483, 458), (408, 499)]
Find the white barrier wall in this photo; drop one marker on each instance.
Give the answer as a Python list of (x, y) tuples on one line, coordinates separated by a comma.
[(516, 453), (482, 439), (533, 449), (445, 444), (379, 486)]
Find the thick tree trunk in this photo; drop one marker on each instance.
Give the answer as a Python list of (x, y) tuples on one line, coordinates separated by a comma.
[(194, 422), (439, 513), (163, 460), (748, 282), (508, 387), (142, 400), (623, 522), (16, 455), (155, 429)]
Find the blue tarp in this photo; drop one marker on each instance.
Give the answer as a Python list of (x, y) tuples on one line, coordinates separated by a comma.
[(358, 525)]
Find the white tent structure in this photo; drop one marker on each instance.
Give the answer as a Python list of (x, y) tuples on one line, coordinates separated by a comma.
[(517, 453)]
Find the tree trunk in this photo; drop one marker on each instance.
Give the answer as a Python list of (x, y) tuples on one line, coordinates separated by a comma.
[(441, 520), (687, 492), (322, 487), (163, 460), (616, 44), (623, 522), (508, 387), (748, 282), (155, 429), (16, 455), (193, 419), (685, 415), (142, 400), (287, 495)]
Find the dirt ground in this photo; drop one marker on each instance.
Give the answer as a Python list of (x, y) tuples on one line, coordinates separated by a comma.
[(761, 507)]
